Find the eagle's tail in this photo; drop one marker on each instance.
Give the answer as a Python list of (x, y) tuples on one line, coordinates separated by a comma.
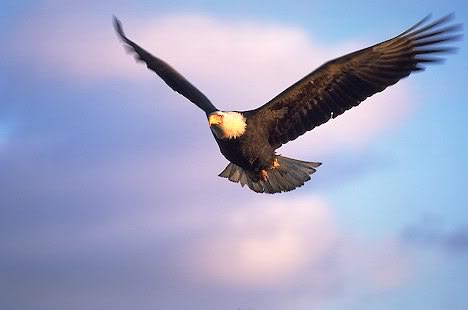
[(286, 176)]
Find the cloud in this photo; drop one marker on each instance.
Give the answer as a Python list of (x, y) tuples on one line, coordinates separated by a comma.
[(279, 253), (238, 64), (264, 243), (431, 232), (109, 203)]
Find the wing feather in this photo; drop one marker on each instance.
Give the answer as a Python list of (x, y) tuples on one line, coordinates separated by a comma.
[(345, 82), (173, 79)]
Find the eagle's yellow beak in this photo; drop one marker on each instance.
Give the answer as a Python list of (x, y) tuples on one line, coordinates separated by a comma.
[(215, 119)]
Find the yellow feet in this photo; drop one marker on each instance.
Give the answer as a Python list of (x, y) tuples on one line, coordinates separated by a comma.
[(264, 172)]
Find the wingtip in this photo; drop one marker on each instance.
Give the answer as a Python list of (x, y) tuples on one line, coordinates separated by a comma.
[(447, 18), (418, 24), (115, 21), (427, 17), (450, 16), (118, 26)]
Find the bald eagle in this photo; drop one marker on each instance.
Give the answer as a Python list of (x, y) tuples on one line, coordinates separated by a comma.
[(249, 139)]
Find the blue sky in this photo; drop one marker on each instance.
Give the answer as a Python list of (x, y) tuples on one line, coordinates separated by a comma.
[(109, 195)]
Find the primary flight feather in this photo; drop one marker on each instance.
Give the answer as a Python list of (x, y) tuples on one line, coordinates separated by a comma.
[(249, 139)]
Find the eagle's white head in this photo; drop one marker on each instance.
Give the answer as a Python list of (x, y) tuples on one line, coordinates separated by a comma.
[(227, 125)]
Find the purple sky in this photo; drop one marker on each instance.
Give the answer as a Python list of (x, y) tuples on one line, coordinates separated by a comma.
[(109, 195)]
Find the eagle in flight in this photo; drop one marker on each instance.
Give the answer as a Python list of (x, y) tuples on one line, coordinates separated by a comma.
[(248, 139)]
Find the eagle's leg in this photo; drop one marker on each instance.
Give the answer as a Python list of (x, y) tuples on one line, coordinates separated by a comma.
[(264, 172)]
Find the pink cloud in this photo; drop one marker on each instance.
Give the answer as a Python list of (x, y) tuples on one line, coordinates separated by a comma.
[(238, 64), (280, 243), (245, 241), (264, 243), (261, 243), (293, 245)]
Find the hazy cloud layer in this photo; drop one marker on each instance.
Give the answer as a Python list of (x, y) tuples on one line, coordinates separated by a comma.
[(271, 253), (109, 192), (431, 231), (238, 64)]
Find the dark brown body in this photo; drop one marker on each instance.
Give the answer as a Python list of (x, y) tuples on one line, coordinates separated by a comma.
[(252, 151)]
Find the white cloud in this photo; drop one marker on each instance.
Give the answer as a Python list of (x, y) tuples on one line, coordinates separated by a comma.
[(238, 64), (187, 227), (242, 64), (263, 243)]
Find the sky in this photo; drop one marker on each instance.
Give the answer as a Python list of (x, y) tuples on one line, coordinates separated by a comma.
[(109, 195)]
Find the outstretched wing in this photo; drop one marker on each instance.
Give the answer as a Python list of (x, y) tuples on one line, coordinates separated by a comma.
[(174, 79), (345, 82)]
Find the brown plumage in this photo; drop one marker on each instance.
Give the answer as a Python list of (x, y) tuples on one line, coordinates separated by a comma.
[(327, 92)]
